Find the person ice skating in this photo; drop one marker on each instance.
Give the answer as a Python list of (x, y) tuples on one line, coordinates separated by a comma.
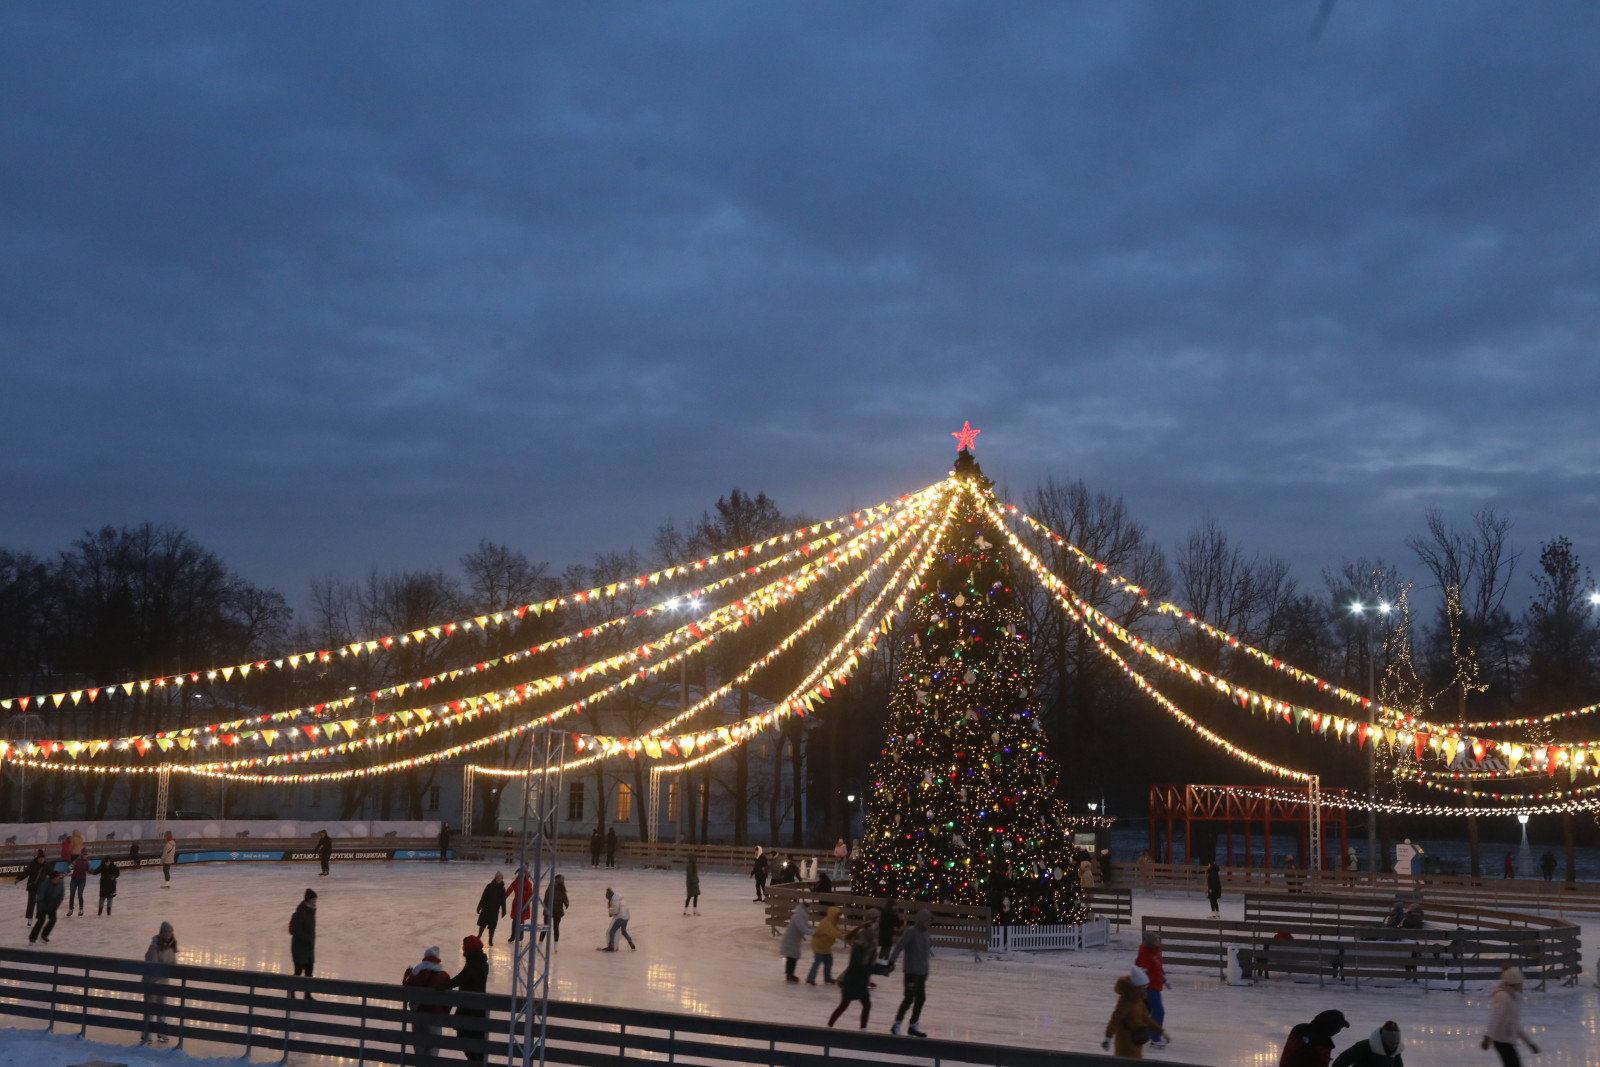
[(1511, 868), (888, 928), (444, 842), (303, 937), (521, 893), (856, 981), (1086, 873), (169, 856), (1505, 1019), (794, 936), (841, 858), (74, 845), (1149, 960), (1311, 1044), (913, 944), (324, 851), (758, 871), (1382, 1049), (109, 873), (472, 978), (163, 949), (492, 905), (47, 900), (617, 909), (691, 885), (1147, 870), (37, 870), (1350, 861), (1130, 1026), (427, 974), (611, 846), (555, 906), (822, 938), (597, 844), (824, 883), (78, 882), (133, 854), (1214, 888), (1547, 864)]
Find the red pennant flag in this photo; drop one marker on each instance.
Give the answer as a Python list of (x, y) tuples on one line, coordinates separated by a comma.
[(1477, 751), (1420, 741), (140, 744), (1361, 735)]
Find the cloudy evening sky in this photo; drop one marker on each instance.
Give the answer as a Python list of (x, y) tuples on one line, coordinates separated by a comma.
[(352, 285)]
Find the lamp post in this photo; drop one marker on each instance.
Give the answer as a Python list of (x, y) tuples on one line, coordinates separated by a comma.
[(1359, 610)]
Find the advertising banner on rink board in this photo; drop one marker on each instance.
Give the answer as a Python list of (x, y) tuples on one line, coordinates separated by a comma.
[(254, 855)]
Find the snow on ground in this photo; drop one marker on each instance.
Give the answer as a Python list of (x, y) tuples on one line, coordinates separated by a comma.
[(374, 920)]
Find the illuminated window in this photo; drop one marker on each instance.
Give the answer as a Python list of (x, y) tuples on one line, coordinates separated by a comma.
[(672, 801), (624, 802)]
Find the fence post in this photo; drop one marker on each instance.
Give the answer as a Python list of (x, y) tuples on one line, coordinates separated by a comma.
[(55, 991), (249, 1021), (84, 1030), (361, 1046), (183, 1003)]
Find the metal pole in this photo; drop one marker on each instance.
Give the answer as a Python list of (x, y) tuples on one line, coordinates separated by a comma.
[(1314, 791), (467, 782), (530, 973), (1373, 860)]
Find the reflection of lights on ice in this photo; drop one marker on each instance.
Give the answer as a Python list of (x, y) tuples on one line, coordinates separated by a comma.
[(374, 920)]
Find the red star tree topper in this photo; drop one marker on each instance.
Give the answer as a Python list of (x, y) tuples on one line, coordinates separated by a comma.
[(966, 435)]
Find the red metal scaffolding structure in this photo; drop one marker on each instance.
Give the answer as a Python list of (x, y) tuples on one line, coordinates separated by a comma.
[(1246, 804)]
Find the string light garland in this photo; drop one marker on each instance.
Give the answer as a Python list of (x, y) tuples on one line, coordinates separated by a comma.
[(443, 630), (234, 775), (755, 602), (1051, 582), (1395, 808)]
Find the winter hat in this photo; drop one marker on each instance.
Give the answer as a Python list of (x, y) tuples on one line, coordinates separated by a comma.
[(166, 928), (432, 953), (1329, 1022), (608, 893), (1511, 976), (470, 943), (1389, 1033), (311, 894), (1152, 939), (1137, 976)]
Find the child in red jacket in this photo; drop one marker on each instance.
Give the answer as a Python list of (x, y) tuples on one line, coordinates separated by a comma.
[(1149, 959)]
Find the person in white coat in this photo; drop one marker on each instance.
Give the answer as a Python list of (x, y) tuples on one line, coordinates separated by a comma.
[(795, 936), (1505, 1019), (169, 856), (617, 908)]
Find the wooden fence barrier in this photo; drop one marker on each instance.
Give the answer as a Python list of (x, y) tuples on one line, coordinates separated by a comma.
[(1335, 938), (1113, 902), (367, 1022), (955, 926), (235, 849)]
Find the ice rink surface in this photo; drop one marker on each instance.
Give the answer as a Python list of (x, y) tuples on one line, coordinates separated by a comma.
[(375, 919)]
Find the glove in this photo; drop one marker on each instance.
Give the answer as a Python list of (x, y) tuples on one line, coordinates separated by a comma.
[(1106, 1043), (1533, 1048)]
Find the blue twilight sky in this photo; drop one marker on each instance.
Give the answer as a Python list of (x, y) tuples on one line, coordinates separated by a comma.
[(353, 285)]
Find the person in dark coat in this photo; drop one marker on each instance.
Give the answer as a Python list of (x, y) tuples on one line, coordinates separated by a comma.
[(888, 928), (133, 854), (1214, 888), (597, 843), (324, 851), (913, 944), (428, 974), (108, 885), (472, 978), (1105, 866), (45, 904), (1547, 864), (856, 981), (1311, 1044), (611, 847), (759, 872), (492, 905), (303, 936), (37, 870), (444, 842), (691, 885), (555, 906), (1382, 1049)]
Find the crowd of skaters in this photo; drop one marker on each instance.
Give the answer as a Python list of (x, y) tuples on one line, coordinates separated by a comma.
[(875, 946)]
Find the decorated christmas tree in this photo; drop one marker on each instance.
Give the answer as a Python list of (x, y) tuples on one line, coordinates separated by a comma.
[(963, 808)]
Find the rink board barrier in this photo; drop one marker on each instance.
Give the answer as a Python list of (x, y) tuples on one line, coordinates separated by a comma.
[(1335, 939), (1524, 894), (634, 853), (110, 831), (212, 1011), (229, 851)]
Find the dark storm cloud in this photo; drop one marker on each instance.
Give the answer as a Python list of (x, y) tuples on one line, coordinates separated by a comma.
[(344, 286)]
